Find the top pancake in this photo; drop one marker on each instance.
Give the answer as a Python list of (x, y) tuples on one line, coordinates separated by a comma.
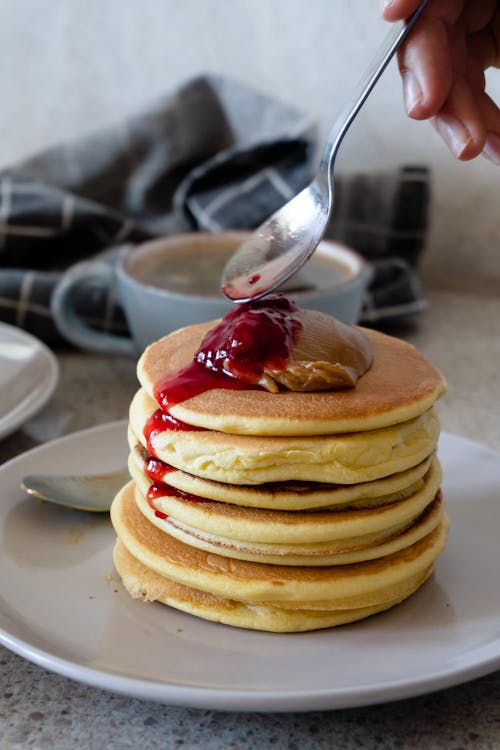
[(401, 384)]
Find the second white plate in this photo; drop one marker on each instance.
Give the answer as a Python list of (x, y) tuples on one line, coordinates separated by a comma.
[(28, 375), (63, 607)]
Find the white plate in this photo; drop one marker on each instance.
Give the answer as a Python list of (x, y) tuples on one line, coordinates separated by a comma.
[(28, 375), (62, 607)]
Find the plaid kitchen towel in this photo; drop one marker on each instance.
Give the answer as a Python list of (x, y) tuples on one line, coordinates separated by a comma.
[(213, 155)]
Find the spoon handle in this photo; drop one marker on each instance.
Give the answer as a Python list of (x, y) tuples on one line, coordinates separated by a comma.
[(386, 52)]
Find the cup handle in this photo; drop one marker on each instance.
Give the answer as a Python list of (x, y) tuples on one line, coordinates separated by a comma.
[(68, 322)]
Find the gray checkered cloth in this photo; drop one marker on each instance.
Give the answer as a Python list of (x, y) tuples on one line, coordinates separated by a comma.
[(214, 155)]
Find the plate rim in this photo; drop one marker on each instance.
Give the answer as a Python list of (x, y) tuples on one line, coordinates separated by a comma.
[(35, 404), (236, 698)]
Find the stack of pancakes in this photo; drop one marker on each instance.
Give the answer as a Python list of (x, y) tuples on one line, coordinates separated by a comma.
[(284, 511)]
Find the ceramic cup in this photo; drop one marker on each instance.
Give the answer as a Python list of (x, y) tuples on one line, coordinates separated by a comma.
[(171, 282)]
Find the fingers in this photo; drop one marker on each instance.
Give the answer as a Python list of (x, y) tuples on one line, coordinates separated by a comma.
[(426, 68), (442, 64), (495, 32), (460, 121), (425, 58), (477, 15), (490, 114), (484, 53), (398, 10), (469, 121), (491, 117)]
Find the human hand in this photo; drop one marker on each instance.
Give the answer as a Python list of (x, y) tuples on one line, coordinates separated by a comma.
[(443, 64)]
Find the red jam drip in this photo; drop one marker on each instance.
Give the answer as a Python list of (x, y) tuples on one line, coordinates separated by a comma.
[(161, 489), (160, 421), (151, 497), (156, 469), (253, 336), (191, 381)]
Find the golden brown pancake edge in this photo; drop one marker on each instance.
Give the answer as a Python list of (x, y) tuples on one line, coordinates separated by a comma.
[(360, 584), (143, 583), (400, 385)]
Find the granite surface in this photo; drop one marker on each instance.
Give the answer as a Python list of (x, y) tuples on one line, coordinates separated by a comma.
[(39, 709)]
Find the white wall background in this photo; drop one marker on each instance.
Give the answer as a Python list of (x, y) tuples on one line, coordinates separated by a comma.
[(71, 66)]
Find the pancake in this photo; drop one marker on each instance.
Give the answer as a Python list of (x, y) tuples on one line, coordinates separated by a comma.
[(143, 583), (291, 527), (249, 459), (400, 385), (304, 509), (294, 495), (366, 584), (336, 552)]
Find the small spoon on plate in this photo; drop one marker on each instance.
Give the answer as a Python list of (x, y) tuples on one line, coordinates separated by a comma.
[(283, 243), (82, 492)]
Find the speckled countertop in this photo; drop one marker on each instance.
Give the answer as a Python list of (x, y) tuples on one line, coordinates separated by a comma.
[(460, 333)]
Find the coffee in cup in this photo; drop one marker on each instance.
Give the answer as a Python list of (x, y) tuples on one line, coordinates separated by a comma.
[(174, 281)]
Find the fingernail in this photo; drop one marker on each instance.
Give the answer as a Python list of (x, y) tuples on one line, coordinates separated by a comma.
[(454, 134), (411, 91), (491, 150)]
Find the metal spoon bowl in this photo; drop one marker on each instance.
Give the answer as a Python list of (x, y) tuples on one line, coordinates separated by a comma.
[(282, 244), (85, 492)]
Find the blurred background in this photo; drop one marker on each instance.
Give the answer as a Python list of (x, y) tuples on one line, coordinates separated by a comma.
[(73, 66)]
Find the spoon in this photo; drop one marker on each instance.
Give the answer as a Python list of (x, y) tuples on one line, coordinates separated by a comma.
[(83, 492), (283, 243)]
